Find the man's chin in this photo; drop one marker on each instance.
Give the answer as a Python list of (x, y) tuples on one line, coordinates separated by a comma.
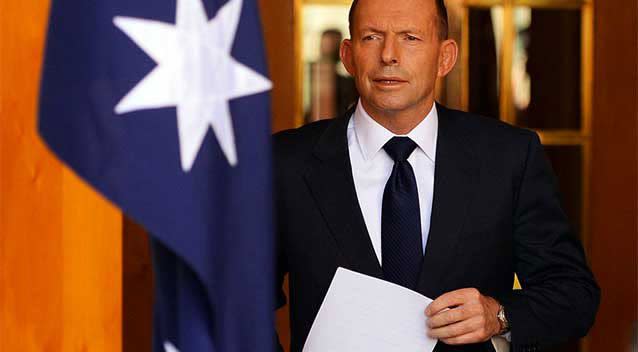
[(390, 106)]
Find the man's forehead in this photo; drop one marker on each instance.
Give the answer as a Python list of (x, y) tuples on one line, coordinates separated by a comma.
[(397, 6), (406, 13), (399, 23)]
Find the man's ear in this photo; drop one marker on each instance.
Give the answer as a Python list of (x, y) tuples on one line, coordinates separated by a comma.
[(447, 57), (345, 52)]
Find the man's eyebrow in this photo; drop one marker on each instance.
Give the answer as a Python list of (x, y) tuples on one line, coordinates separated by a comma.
[(371, 29), (403, 31), (412, 30)]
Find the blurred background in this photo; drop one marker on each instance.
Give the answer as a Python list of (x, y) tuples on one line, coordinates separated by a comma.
[(75, 273)]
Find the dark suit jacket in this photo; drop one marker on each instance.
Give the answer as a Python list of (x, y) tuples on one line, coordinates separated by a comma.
[(496, 212)]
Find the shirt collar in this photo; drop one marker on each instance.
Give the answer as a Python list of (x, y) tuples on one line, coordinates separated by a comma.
[(372, 136)]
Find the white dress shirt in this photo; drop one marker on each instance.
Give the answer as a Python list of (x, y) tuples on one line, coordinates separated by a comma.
[(372, 166), (371, 169)]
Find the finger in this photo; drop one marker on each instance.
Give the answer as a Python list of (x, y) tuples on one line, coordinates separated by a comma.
[(458, 329), (472, 337), (451, 299), (447, 317)]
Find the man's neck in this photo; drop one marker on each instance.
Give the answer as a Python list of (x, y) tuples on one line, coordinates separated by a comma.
[(399, 122)]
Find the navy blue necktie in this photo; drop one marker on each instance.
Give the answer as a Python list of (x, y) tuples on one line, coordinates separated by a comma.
[(401, 244)]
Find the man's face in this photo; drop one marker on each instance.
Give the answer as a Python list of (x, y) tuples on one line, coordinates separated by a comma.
[(394, 54)]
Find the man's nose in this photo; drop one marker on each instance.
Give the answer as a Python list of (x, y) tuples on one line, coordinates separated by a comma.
[(390, 53)]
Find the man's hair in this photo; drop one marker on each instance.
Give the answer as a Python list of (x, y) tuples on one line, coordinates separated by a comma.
[(441, 14)]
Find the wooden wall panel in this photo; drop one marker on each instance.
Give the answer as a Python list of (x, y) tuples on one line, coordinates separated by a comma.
[(137, 289), (614, 183), (91, 269), (280, 24), (30, 192), (59, 241)]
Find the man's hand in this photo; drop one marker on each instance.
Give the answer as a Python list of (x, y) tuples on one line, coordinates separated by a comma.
[(463, 316)]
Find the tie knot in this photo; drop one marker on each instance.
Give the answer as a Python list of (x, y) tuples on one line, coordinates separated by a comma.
[(399, 148)]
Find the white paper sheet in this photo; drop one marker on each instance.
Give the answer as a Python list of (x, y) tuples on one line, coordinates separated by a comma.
[(362, 313)]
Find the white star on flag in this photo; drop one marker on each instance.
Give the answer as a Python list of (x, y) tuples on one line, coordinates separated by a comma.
[(169, 347), (195, 73)]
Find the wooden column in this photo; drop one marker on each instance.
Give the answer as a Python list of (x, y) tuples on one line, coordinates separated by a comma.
[(283, 49), (614, 183), (281, 31), (60, 244)]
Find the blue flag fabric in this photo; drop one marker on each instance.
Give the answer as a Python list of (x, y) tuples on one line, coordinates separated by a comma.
[(163, 107)]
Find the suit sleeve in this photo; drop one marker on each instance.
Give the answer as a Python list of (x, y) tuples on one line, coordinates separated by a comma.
[(559, 296)]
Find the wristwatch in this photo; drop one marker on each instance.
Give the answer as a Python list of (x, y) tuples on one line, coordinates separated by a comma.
[(502, 320)]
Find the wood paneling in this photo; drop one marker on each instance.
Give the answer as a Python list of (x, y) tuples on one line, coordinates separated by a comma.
[(281, 28), (614, 182), (137, 288), (59, 241), (282, 47), (91, 270)]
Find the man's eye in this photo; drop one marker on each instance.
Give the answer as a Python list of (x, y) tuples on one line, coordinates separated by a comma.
[(370, 37), (411, 38)]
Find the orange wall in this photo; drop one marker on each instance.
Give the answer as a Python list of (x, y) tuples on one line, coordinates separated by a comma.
[(614, 183), (282, 47), (60, 243)]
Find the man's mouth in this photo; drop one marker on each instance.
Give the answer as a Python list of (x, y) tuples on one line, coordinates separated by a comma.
[(389, 81)]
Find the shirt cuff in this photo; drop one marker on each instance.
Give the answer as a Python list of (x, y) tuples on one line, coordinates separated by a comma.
[(507, 336)]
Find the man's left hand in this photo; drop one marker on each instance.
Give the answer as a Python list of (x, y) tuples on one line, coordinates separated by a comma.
[(463, 316)]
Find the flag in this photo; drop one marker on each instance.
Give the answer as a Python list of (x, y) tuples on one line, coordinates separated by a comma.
[(163, 107)]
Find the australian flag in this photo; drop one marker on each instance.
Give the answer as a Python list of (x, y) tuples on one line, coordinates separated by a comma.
[(163, 107)]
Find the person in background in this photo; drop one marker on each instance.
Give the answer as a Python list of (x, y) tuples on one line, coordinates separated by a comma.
[(331, 92)]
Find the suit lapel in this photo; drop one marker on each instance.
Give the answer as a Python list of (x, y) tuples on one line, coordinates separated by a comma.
[(330, 180), (455, 180)]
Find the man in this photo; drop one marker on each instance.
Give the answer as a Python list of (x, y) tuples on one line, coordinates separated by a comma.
[(443, 202)]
